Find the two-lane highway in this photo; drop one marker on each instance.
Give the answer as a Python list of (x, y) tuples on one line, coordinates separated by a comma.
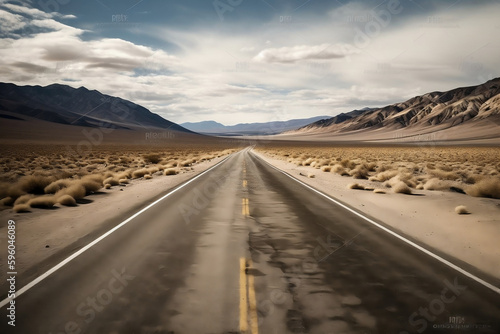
[(244, 248)]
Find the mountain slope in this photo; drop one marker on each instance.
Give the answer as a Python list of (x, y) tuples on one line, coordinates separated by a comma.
[(431, 111), (66, 105), (250, 128), (204, 126)]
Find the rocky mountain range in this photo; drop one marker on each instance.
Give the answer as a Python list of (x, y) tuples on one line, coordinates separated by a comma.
[(77, 106), (435, 110), (266, 128)]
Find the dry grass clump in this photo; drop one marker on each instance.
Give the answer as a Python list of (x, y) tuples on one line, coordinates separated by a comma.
[(379, 191), (311, 175), (139, 173), (405, 178), (436, 184), (206, 157), (346, 163), (66, 200), (144, 171), (172, 163), (486, 187), (19, 208), (356, 186), (359, 172), (56, 186), (384, 176), (370, 166), (400, 184), (307, 162), (320, 163), (77, 191), (443, 175), (323, 162), (338, 169), (91, 183), (401, 188), (24, 199), (326, 168), (127, 174), (34, 184), (462, 210), (111, 181), (152, 158), (408, 178), (187, 162), (7, 201), (43, 202), (170, 171)]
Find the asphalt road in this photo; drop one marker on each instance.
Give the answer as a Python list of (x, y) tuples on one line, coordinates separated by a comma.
[(245, 249)]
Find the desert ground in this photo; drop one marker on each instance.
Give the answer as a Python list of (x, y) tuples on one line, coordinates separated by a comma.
[(474, 171), (45, 176)]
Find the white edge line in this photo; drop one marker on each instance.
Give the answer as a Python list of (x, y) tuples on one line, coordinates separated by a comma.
[(411, 243), (85, 248)]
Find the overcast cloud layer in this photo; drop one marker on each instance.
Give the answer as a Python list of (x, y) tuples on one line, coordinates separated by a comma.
[(250, 61)]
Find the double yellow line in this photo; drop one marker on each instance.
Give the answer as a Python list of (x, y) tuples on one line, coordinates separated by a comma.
[(248, 301), (245, 303)]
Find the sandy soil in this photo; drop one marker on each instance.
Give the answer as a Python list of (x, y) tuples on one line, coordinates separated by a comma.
[(427, 216), (64, 227)]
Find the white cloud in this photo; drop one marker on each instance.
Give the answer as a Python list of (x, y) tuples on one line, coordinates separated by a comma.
[(32, 12), (305, 52), (10, 22)]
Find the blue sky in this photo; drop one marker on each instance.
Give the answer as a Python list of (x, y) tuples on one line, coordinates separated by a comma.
[(236, 61)]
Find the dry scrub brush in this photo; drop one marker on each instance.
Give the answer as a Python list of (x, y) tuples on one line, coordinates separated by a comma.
[(356, 186), (42, 176), (471, 170), (486, 187), (401, 188), (461, 210)]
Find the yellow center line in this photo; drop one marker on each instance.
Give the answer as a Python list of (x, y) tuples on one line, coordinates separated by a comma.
[(244, 207), (243, 297), (245, 183), (252, 300)]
